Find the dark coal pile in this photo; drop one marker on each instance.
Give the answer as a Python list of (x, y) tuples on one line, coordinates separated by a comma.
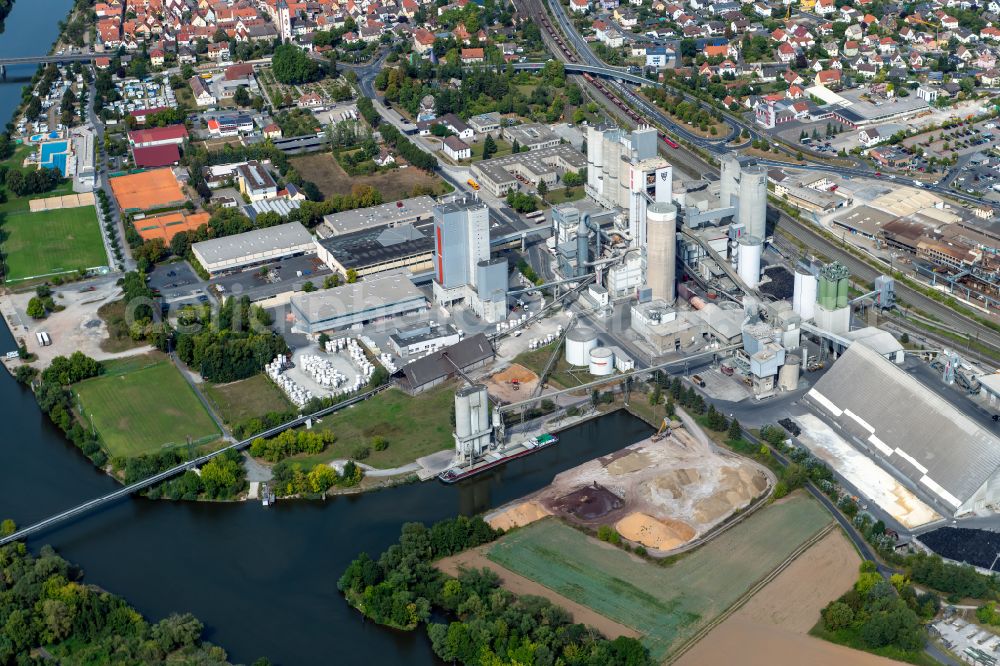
[(977, 547), (781, 282)]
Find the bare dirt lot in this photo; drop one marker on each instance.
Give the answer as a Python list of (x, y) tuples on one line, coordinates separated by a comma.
[(660, 494), (772, 627), (476, 559), (331, 179), (501, 385)]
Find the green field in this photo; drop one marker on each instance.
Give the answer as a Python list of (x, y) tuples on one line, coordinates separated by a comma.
[(50, 242), (144, 410), (240, 401), (414, 426), (667, 604)]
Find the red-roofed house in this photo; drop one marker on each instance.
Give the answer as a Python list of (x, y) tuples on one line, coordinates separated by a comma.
[(156, 156), (158, 136), (470, 56), (239, 71)]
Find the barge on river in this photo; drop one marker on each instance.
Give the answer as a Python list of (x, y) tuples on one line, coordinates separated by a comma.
[(493, 459)]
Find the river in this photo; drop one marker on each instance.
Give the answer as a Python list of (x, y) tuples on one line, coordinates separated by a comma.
[(262, 580)]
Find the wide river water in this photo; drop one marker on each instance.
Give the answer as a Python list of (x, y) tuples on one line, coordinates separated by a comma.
[(262, 580)]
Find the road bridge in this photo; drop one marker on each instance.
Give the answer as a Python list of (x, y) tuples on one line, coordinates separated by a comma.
[(84, 56), (121, 493)]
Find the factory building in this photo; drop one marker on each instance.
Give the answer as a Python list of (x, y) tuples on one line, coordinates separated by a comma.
[(911, 431), (423, 337), (501, 175), (375, 249), (463, 269), (424, 373), (359, 303), (253, 248)]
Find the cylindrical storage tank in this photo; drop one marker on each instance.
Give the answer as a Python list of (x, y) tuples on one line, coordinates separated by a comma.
[(748, 261), (661, 249), (595, 157), (480, 411), (463, 411), (730, 177), (827, 293), (579, 342), (602, 361), (752, 212), (788, 376), (804, 295), (842, 293)]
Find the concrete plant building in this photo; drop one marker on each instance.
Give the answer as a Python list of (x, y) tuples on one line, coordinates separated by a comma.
[(463, 269), (362, 302), (500, 175)]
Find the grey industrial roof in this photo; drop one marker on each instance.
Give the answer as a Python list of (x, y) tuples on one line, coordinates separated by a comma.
[(536, 162), (231, 248), (375, 246), (280, 206), (392, 213), (431, 368), (924, 437), (366, 295)]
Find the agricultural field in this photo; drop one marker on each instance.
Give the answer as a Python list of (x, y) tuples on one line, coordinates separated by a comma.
[(413, 427), (140, 408), (249, 398), (666, 604), (322, 169)]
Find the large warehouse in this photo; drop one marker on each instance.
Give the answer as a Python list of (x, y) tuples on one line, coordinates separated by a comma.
[(234, 253), (379, 249), (914, 433), (358, 303)]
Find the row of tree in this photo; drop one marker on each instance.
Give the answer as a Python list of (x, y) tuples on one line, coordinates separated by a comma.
[(293, 478), (291, 442), (491, 625)]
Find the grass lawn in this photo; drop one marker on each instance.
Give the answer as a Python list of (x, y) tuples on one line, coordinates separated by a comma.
[(414, 427), (503, 149), (145, 409), (564, 194), (331, 178), (246, 399), (670, 603), (49, 242)]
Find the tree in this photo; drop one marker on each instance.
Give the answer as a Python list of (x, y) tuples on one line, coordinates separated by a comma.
[(36, 310), (543, 189), (242, 96), (838, 615), (290, 65), (352, 276), (735, 431), (308, 287), (489, 147)]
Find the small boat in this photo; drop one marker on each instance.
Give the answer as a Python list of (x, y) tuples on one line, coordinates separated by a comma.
[(266, 495)]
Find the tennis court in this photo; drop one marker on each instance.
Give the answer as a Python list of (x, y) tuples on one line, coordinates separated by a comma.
[(147, 190)]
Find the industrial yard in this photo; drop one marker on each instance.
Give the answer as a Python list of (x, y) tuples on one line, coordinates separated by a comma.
[(660, 494)]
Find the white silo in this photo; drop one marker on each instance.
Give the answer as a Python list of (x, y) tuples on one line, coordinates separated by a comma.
[(752, 211), (610, 165), (579, 342), (473, 427), (661, 249), (748, 252), (595, 157), (804, 294), (730, 178), (602, 362)]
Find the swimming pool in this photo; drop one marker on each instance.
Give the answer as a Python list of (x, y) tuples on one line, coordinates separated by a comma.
[(35, 138), (54, 154)]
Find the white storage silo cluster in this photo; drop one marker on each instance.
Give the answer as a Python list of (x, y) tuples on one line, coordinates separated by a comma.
[(297, 394), (535, 343), (579, 342)]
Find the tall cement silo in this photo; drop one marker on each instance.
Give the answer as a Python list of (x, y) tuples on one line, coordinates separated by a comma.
[(661, 249), (748, 251), (730, 180), (595, 158), (473, 427), (752, 212)]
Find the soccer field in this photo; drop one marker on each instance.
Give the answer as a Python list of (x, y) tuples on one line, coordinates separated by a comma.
[(667, 604), (144, 411), (50, 242)]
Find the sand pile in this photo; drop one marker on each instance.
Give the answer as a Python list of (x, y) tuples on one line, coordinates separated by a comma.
[(516, 371), (736, 489), (673, 484), (659, 534), (630, 463), (500, 386), (518, 515)]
